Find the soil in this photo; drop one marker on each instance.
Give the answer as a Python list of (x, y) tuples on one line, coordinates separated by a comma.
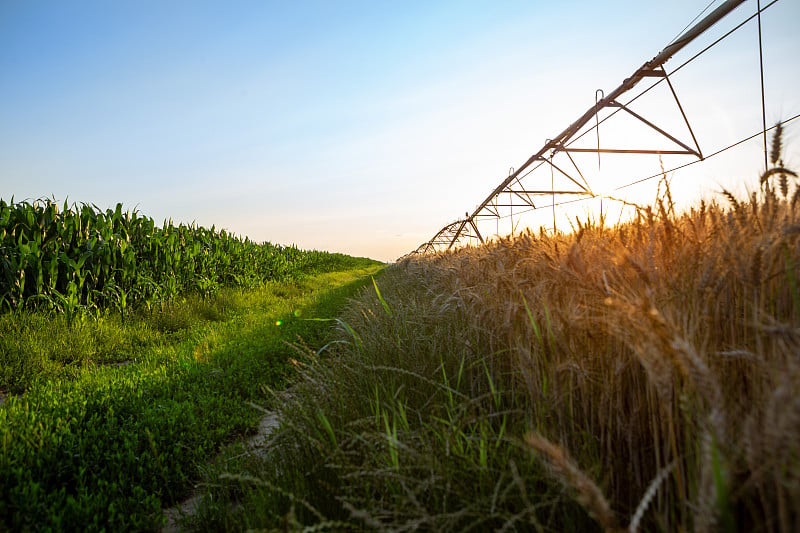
[(258, 443)]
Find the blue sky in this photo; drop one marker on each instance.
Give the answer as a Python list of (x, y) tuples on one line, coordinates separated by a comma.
[(359, 127)]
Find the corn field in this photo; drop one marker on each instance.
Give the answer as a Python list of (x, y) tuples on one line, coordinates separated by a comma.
[(74, 259)]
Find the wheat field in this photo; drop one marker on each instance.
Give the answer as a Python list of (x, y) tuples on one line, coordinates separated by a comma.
[(644, 376)]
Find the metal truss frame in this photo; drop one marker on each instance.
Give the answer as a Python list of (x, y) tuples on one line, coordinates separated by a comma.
[(511, 192)]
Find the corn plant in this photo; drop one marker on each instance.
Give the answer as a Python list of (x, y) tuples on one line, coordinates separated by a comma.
[(75, 259)]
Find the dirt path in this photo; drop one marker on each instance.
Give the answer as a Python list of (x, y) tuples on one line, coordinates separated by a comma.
[(257, 444)]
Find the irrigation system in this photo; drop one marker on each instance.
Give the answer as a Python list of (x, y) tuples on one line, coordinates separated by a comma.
[(516, 192)]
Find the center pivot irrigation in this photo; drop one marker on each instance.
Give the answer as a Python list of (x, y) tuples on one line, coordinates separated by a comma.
[(512, 191)]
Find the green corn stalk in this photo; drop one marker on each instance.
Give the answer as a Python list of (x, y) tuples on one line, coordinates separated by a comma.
[(121, 259)]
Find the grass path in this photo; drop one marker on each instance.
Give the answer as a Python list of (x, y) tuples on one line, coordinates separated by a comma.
[(114, 420), (257, 444)]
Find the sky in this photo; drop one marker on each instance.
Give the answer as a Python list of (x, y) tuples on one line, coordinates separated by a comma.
[(360, 127)]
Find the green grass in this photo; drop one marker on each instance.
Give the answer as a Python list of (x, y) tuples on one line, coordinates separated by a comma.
[(116, 418), (41, 346)]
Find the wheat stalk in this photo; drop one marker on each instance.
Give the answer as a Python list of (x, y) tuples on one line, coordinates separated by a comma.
[(588, 493)]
